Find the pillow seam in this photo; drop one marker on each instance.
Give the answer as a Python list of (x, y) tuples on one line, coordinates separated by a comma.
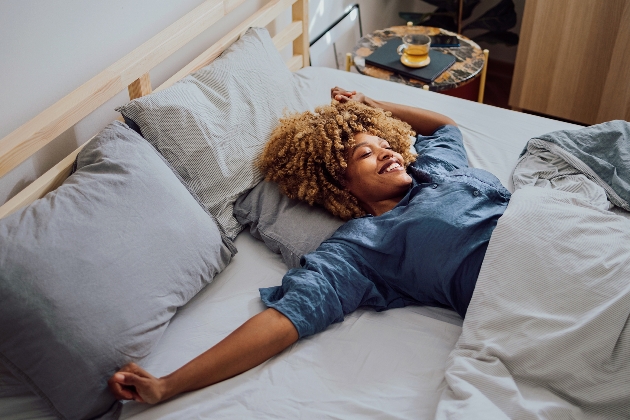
[(25, 378)]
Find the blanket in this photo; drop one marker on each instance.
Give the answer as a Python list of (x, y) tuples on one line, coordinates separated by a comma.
[(547, 332)]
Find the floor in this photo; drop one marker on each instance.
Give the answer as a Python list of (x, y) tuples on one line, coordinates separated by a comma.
[(498, 83)]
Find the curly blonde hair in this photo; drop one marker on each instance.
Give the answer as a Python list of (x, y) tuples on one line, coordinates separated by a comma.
[(307, 153)]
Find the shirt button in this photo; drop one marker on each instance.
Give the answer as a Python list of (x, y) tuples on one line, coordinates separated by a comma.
[(476, 193), (434, 186)]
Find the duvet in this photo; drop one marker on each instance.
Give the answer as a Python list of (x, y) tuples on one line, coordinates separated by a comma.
[(547, 333)]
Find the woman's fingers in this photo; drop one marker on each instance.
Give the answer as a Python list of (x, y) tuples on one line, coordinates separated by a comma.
[(340, 94), (134, 385), (132, 382), (129, 386), (134, 368), (119, 386)]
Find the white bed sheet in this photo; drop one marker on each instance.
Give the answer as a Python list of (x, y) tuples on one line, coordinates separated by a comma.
[(373, 365)]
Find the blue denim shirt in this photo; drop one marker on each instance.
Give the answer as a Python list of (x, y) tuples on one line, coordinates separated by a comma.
[(428, 250)]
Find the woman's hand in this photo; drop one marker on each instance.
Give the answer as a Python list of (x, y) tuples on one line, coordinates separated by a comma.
[(422, 121), (342, 95), (134, 383), (261, 337)]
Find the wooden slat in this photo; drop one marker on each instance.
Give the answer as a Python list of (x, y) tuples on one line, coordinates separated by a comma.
[(36, 133), (260, 19), (140, 87), (287, 35), (53, 178), (30, 137), (295, 63), (231, 5), (482, 81), (349, 61), (301, 44)]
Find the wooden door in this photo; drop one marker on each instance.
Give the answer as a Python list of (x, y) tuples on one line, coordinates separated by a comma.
[(573, 60)]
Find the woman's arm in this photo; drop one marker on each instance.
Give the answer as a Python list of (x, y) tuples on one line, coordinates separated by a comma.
[(261, 337), (423, 121)]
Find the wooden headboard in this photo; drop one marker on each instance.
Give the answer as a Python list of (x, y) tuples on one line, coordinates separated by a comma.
[(132, 72)]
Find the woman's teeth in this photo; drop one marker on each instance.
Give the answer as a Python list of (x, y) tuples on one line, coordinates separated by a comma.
[(392, 167)]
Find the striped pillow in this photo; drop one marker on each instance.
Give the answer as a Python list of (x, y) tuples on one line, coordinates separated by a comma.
[(212, 125)]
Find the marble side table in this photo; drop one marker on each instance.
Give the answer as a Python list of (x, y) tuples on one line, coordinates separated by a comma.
[(468, 68)]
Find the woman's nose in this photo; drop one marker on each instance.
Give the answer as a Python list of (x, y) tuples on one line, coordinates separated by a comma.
[(386, 154)]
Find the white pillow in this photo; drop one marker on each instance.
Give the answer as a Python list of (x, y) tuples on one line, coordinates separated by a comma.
[(212, 125)]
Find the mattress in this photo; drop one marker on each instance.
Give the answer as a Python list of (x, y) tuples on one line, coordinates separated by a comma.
[(374, 365)]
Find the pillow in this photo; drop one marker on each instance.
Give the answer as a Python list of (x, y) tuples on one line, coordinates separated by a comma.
[(288, 227), (93, 272), (213, 124), (17, 401)]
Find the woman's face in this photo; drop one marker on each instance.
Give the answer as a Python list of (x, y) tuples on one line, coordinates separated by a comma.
[(376, 174)]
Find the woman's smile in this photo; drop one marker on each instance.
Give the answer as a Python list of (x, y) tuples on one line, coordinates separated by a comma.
[(376, 174), (391, 165)]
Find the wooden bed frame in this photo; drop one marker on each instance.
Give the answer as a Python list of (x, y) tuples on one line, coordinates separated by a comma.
[(132, 71)]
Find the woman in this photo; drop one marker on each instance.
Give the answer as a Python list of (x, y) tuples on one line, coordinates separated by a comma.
[(418, 233)]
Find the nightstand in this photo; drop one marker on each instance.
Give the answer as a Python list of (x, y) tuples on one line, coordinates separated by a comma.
[(464, 79)]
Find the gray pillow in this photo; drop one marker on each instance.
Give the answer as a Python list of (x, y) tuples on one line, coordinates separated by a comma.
[(213, 124), (288, 227), (93, 272)]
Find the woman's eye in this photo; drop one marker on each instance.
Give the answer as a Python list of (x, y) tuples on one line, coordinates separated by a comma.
[(366, 154)]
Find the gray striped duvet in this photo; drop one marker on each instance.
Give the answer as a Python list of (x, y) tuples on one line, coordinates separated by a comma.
[(547, 333)]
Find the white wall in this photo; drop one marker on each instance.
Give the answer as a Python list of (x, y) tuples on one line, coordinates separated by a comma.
[(375, 14)]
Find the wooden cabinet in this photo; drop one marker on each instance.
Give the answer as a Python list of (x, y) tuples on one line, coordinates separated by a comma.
[(573, 60)]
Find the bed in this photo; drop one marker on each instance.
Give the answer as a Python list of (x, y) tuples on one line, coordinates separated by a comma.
[(402, 363)]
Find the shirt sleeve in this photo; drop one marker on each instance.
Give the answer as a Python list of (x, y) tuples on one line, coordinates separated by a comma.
[(328, 286), (442, 151)]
